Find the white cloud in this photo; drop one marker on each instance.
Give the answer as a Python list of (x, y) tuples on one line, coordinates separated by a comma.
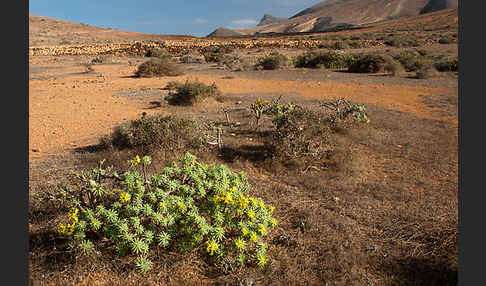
[(243, 23)]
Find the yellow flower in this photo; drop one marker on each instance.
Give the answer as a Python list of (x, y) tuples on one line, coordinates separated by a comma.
[(253, 201), (125, 197), (73, 215), (251, 214), (227, 198), (136, 161), (181, 206), (216, 199), (243, 202), (61, 229), (211, 246), (240, 244), (162, 204), (66, 229), (253, 237), (244, 231), (273, 222), (261, 204), (261, 260), (262, 229)]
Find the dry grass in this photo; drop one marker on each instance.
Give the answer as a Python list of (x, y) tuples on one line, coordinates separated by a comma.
[(376, 213)]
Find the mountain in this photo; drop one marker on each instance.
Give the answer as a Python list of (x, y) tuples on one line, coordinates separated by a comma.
[(224, 32), (332, 14), (46, 31), (269, 19)]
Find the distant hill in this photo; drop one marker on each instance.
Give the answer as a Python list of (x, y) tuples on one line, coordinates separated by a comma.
[(269, 19), (224, 32), (46, 31), (331, 14)]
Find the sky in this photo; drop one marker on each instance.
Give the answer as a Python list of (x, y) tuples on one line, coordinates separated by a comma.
[(181, 17)]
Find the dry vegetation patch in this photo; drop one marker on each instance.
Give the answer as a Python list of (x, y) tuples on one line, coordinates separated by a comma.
[(157, 68)]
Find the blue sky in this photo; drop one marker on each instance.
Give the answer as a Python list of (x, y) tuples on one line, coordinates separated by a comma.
[(184, 17)]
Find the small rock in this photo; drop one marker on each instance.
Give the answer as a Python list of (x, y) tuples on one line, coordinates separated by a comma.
[(239, 102)]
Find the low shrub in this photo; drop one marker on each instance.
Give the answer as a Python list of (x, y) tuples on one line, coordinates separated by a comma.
[(447, 64), (341, 109), (394, 68), (192, 59), (216, 54), (233, 62), (304, 134), (158, 53), (340, 45), (298, 132), (426, 72), (446, 40), (213, 57), (157, 68), (403, 41), (272, 61), (101, 60), (190, 93), (412, 62), (152, 132), (370, 63), (189, 205), (355, 44), (324, 58)]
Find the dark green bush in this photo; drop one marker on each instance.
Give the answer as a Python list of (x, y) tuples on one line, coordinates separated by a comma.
[(447, 64), (299, 132), (324, 58), (150, 132), (402, 41), (445, 40), (213, 57), (426, 72), (190, 93), (189, 205), (394, 68), (272, 61), (412, 62), (216, 54), (158, 67), (370, 64)]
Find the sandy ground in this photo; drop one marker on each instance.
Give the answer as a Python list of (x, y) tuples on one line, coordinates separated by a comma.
[(69, 108)]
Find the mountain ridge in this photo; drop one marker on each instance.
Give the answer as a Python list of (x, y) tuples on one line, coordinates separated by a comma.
[(332, 14)]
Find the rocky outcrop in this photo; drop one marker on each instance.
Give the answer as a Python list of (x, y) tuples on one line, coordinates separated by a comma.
[(269, 19)]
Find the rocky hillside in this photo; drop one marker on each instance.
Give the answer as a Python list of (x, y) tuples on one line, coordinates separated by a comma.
[(224, 32), (269, 19), (330, 14)]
